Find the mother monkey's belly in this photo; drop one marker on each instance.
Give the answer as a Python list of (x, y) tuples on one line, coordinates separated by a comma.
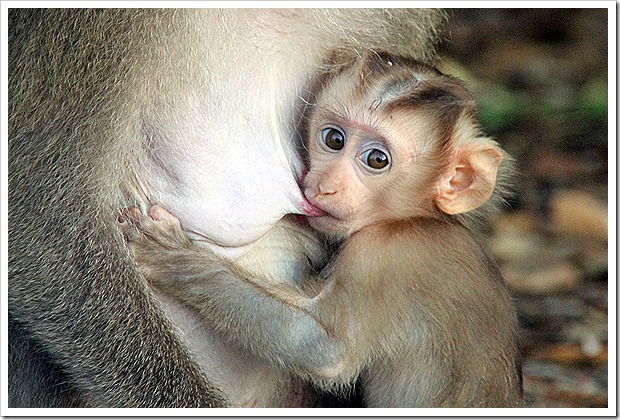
[(219, 137)]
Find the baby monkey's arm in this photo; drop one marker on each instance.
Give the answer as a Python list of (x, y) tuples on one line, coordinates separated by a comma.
[(276, 321)]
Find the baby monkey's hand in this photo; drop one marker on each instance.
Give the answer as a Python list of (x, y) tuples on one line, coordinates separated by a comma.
[(156, 241), (157, 228)]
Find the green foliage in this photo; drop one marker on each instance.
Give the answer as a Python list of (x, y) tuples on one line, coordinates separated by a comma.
[(593, 98), (499, 107)]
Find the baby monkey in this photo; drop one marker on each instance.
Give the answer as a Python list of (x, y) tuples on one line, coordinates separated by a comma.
[(412, 304)]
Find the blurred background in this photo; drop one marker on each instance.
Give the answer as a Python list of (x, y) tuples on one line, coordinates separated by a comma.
[(540, 79)]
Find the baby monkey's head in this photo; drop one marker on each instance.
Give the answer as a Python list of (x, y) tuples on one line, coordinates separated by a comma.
[(390, 138)]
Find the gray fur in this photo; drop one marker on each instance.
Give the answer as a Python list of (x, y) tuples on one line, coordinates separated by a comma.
[(85, 327)]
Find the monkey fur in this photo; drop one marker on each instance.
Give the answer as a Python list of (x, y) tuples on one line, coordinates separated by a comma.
[(412, 304), (98, 97)]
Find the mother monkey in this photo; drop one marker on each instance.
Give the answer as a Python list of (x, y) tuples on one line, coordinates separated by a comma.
[(192, 109)]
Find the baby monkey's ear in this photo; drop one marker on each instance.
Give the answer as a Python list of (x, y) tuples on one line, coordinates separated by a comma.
[(470, 178)]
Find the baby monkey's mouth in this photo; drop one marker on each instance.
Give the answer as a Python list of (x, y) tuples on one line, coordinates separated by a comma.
[(319, 215), (312, 210)]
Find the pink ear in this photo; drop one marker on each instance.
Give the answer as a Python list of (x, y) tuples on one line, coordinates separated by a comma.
[(470, 181)]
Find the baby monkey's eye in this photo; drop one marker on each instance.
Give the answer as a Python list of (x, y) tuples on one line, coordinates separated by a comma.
[(375, 159), (333, 138)]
